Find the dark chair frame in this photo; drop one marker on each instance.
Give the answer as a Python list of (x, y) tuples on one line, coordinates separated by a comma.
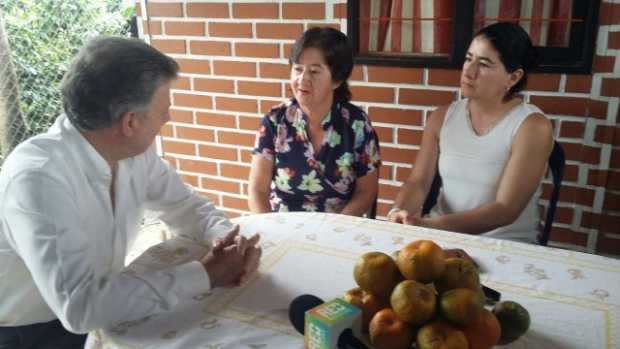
[(556, 164)]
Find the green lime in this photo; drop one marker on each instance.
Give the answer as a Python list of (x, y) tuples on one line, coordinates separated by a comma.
[(514, 320)]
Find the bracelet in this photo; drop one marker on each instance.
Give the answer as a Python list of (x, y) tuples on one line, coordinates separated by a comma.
[(393, 210)]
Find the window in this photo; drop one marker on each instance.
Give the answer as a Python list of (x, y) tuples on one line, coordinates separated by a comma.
[(436, 33)]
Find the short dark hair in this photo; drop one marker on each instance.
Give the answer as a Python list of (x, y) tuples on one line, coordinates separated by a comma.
[(337, 52), (515, 50), (111, 76)]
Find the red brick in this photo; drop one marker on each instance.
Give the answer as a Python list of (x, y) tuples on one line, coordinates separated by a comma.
[(158, 9), (445, 77), (597, 177), (425, 97), (357, 74), (245, 49), (385, 172), (181, 83), (185, 28), (402, 173), (235, 171), (217, 152), (214, 198), (138, 8), (181, 116), (303, 11), (193, 66), (169, 46), (597, 109), (568, 236), (214, 85), (246, 156), (561, 105), (614, 162), (409, 137), (210, 48), (609, 13), (234, 68), (340, 11), (286, 50), (255, 10), (406, 156), (383, 209), (231, 30), (578, 83), (607, 134), (396, 116), (267, 105), (235, 203), (609, 223), (373, 94), (324, 25), (236, 138), (543, 82), (249, 122), (192, 101), (610, 87), (166, 131), (580, 196), (608, 245), (572, 129), (257, 88), (236, 104), (611, 201), (385, 134), (169, 146), (207, 10), (395, 75), (580, 152), (563, 215), (219, 185), (571, 173), (195, 134), (278, 30), (274, 71), (198, 166), (613, 40), (152, 27), (217, 120), (603, 64), (388, 192)]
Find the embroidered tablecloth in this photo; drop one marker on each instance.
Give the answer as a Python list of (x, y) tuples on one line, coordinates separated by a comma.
[(573, 298)]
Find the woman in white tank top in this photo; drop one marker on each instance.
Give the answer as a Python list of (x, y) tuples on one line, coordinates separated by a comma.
[(491, 147)]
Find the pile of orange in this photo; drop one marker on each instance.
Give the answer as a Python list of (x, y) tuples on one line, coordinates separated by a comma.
[(420, 295)]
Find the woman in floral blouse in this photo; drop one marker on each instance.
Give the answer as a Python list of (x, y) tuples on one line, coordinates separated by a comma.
[(317, 151)]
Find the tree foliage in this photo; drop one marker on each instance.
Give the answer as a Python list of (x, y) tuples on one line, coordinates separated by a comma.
[(43, 37)]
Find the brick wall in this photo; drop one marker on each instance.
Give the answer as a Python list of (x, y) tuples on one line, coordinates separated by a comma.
[(233, 58)]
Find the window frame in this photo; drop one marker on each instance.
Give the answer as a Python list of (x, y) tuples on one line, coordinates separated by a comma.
[(575, 59)]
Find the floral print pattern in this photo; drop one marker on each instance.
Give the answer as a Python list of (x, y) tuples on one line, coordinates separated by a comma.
[(308, 179)]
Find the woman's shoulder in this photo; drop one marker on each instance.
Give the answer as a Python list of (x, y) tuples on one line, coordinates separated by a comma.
[(352, 111), (277, 113)]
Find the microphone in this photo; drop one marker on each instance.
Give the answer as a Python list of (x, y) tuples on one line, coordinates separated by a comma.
[(326, 325)]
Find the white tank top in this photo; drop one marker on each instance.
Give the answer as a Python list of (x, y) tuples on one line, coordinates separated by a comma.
[(471, 167)]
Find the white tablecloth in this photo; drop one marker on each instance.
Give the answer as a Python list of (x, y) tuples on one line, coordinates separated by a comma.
[(573, 298)]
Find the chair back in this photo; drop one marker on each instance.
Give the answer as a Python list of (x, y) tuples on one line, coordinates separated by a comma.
[(557, 161), (556, 166)]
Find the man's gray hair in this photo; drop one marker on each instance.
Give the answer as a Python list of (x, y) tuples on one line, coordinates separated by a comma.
[(111, 76)]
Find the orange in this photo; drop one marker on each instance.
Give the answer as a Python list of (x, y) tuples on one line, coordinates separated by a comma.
[(484, 332), (387, 331), (413, 302), (441, 335), (460, 306), (377, 273), (421, 260)]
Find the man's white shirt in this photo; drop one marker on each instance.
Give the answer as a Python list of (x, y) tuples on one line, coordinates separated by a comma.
[(63, 245)]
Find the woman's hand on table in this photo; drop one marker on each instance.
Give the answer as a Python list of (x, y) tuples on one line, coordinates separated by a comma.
[(233, 259)]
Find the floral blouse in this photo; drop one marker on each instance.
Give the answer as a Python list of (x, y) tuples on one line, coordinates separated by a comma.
[(307, 180)]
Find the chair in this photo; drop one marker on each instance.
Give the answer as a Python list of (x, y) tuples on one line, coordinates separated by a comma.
[(372, 211), (556, 166)]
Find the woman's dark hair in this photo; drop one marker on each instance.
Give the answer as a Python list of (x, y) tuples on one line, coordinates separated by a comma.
[(337, 53), (111, 76), (515, 50)]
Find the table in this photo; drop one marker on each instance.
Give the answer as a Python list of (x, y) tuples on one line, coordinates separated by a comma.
[(573, 298)]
